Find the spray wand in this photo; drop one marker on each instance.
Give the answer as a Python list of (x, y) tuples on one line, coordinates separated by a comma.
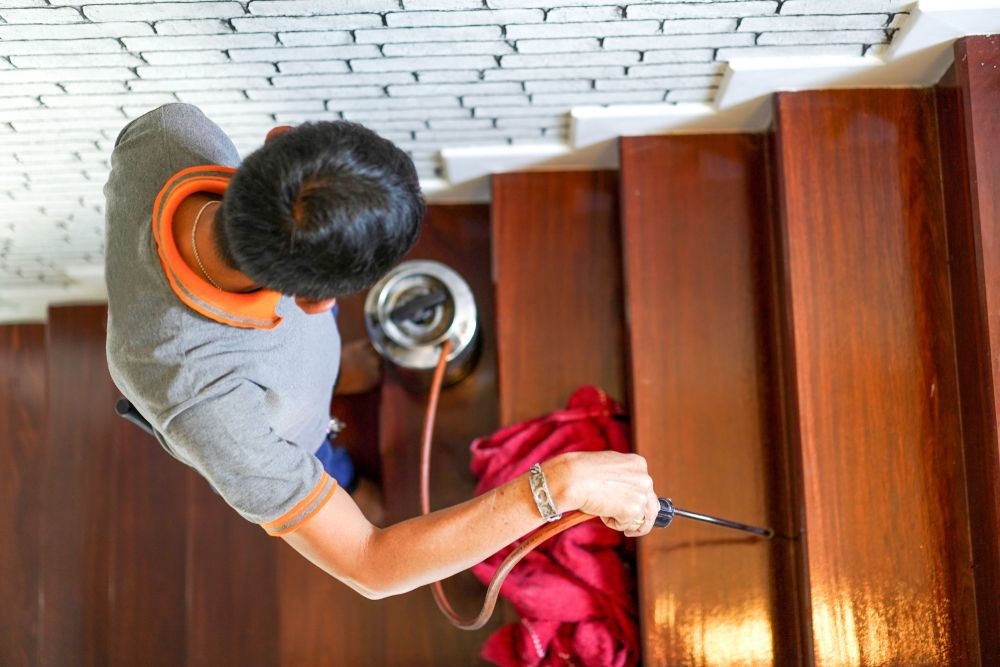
[(663, 518)]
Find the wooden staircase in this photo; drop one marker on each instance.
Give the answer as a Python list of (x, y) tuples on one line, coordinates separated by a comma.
[(804, 324)]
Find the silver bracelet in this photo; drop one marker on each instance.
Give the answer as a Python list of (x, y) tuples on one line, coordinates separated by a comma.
[(540, 492)]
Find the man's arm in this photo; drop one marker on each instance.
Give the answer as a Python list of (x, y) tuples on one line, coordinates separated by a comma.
[(381, 562)]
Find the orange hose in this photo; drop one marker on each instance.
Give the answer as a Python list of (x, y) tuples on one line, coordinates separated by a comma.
[(545, 532)]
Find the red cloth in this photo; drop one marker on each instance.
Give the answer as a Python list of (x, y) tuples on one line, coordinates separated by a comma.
[(574, 593)]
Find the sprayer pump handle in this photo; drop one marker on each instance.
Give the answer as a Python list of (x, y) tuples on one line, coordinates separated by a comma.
[(666, 513)]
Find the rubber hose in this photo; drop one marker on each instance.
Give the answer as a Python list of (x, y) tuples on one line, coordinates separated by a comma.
[(545, 532)]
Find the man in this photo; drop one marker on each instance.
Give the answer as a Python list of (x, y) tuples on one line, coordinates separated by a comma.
[(221, 276)]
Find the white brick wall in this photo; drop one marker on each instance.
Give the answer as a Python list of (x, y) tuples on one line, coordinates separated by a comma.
[(425, 73)]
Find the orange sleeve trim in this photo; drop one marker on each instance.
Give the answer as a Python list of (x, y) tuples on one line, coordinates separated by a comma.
[(304, 510)]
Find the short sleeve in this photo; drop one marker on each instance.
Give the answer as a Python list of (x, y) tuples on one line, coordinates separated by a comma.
[(268, 480)]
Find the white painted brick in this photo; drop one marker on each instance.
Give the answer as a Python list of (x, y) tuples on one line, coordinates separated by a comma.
[(220, 70), (662, 83), (19, 103), (392, 103), (559, 121), (30, 88), (184, 57), (59, 75), (702, 10), (192, 27), (458, 89), (197, 83), (692, 95), (447, 76), (197, 42), (774, 23), (449, 136), (92, 60), (101, 112), (95, 87), (678, 56), (686, 41), (677, 69), (461, 124), (314, 67), (325, 38), (571, 45), (319, 7), (564, 86), (8, 4), (475, 17), (512, 112), (442, 4), (562, 14), (4, 64), (287, 53), (790, 51), (425, 62), (42, 15), (591, 29), (155, 11), (493, 48), (478, 100), (106, 101), (316, 93), (698, 26), (199, 97), (54, 46), (213, 109), (553, 73), (401, 114), (296, 23), (596, 97), (844, 6), (74, 31), (353, 79), (461, 33), (547, 4), (822, 37), (570, 59)]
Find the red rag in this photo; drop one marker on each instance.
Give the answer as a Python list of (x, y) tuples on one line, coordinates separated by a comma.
[(574, 594)]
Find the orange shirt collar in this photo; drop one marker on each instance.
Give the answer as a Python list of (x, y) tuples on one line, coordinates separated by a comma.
[(254, 310)]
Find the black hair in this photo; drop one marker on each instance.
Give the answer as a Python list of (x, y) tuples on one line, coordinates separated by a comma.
[(322, 210)]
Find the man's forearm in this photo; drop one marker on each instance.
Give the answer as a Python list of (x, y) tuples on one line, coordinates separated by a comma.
[(433, 547)]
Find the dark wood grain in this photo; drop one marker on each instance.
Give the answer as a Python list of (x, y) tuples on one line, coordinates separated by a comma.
[(22, 433), (324, 622), (231, 585), (77, 537), (967, 101), (875, 393), (557, 270), (695, 219), (147, 529)]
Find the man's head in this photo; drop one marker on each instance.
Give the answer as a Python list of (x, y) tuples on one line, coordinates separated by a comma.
[(319, 211)]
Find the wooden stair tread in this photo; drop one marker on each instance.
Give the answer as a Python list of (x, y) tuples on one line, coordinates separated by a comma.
[(695, 218), (874, 391), (557, 270), (22, 432)]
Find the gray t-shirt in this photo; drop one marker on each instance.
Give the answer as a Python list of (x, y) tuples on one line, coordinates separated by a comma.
[(236, 386)]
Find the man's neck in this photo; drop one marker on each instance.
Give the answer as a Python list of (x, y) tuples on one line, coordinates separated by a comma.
[(204, 245)]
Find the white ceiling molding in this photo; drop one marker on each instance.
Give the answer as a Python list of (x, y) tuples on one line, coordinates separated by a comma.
[(918, 56)]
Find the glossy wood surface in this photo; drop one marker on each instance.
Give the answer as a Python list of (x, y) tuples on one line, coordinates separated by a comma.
[(874, 396), (557, 271), (967, 101), (324, 622), (22, 432), (695, 218), (77, 535)]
